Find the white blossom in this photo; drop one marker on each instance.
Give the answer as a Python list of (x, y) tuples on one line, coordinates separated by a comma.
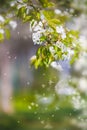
[(78, 102), (34, 24), (82, 84), (52, 50), (63, 35), (45, 100), (2, 19), (38, 27), (36, 38), (57, 11), (80, 64), (60, 29), (38, 31), (63, 88), (13, 24), (12, 3), (20, 1), (42, 17), (2, 31), (83, 42), (84, 72), (62, 46), (56, 65), (70, 53), (19, 6), (66, 91)]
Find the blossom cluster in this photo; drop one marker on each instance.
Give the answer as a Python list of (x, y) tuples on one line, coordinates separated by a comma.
[(43, 34), (37, 31)]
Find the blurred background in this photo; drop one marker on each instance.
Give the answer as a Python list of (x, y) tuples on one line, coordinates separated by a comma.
[(54, 98)]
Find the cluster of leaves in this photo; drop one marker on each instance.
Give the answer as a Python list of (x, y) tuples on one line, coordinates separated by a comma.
[(7, 13), (4, 29), (48, 30)]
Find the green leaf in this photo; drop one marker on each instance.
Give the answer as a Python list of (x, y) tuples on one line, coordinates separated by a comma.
[(55, 21), (46, 3), (38, 15), (22, 12), (48, 14), (25, 1), (73, 59), (27, 18), (39, 51), (34, 15), (74, 33), (32, 23), (51, 4), (1, 37), (75, 56), (38, 63), (33, 60), (43, 2), (7, 32), (43, 38), (7, 21)]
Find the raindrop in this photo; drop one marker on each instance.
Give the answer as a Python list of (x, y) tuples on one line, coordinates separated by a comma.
[(9, 57), (15, 57), (44, 74), (70, 114), (79, 117), (32, 103), (43, 85), (50, 82), (28, 83), (7, 52), (18, 33), (18, 122), (35, 112), (57, 108), (46, 109), (39, 118), (54, 95), (44, 94), (36, 105), (29, 107), (5, 74), (42, 122), (53, 115)]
